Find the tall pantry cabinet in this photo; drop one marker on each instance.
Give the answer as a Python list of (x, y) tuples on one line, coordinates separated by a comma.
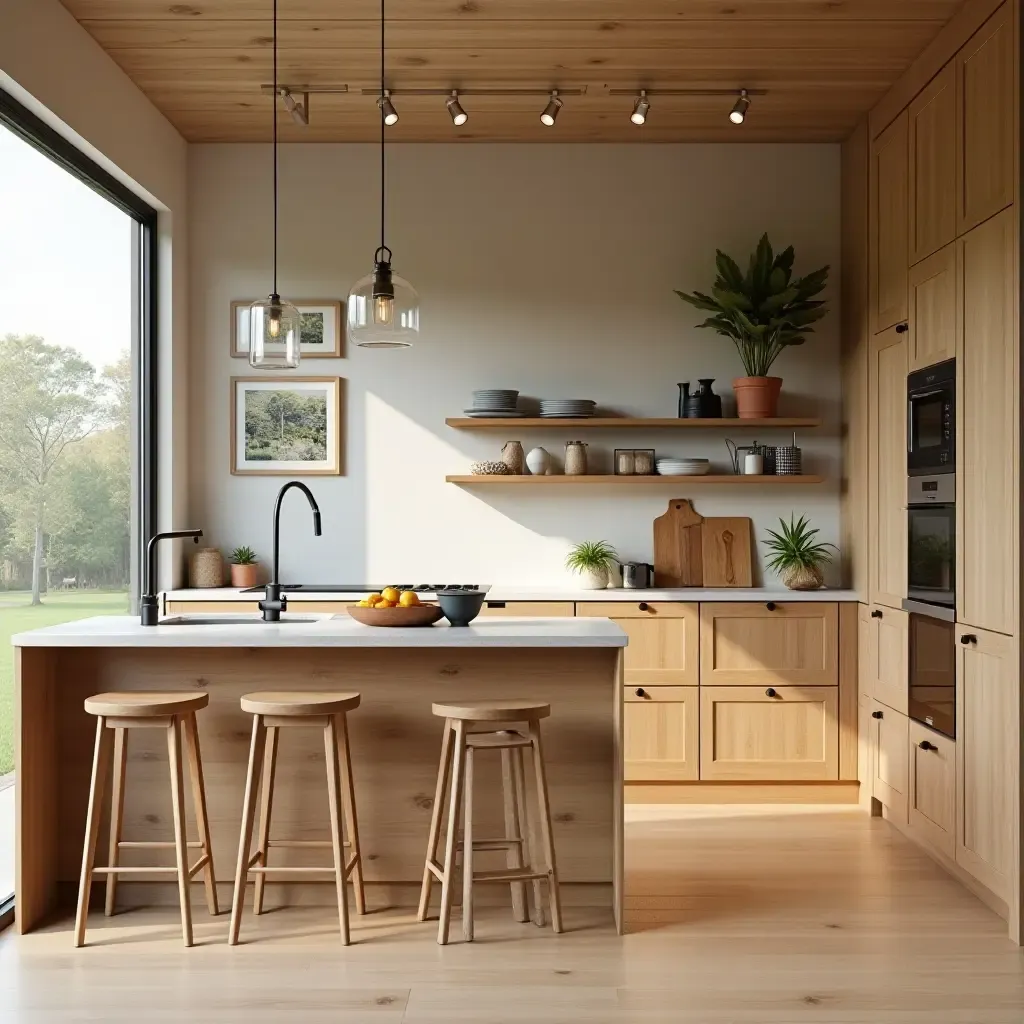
[(941, 279)]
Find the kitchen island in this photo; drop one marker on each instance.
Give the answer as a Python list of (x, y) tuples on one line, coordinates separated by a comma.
[(573, 664)]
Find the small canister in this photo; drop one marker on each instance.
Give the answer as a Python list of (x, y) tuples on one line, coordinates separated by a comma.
[(625, 462), (753, 464), (644, 461), (575, 458)]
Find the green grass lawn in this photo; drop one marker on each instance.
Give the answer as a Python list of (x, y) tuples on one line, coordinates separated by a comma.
[(17, 616)]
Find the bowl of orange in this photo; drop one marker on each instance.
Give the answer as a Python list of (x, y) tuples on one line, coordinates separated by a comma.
[(392, 607)]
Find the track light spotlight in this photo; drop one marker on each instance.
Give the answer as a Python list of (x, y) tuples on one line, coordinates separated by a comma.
[(739, 110), (640, 108), (299, 111), (387, 108), (459, 116), (550, 112)]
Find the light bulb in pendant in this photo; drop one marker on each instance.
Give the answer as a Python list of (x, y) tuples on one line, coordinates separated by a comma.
[(383, 310), (274, 324)]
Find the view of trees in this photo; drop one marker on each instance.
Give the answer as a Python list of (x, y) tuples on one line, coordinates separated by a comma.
[(285, 425), (65, 467)]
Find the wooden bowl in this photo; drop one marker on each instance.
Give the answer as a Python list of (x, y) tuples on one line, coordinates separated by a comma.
[(418, 615)]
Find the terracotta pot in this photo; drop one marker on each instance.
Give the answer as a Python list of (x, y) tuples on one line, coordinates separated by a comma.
[(802, 577), (245, 576), (757, 398)]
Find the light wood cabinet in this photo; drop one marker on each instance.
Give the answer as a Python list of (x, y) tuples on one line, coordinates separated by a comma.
[(529, 609), (933, 161), (785, 643), (782, 733), (890, 659), (985, 123), (887, 468), (987, 428), (889, 224), (931, 794), (663, 640), (934, 325), (988, 720), (891, 766), (660, 733)]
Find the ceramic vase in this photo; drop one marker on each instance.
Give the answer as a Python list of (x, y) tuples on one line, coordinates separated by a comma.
[(538, 461), (512, 456), (592, 579)]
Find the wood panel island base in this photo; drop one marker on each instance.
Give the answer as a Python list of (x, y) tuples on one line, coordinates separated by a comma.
[(573, 664)]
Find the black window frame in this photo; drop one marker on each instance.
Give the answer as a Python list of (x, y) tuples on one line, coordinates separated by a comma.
[(46, 140)]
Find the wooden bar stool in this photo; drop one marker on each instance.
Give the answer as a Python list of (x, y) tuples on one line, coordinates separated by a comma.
[(278, 710), (116, 713), (458, 750)]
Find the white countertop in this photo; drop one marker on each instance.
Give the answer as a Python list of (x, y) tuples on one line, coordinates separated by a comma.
[(325, 631), (499, 593)]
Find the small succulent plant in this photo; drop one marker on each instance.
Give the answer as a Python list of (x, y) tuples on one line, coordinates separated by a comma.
[(243, 556), (796, 556)]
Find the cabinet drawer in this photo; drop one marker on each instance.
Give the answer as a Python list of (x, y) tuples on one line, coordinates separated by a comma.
[(529, 609), (638, 609), (892, 773), (891, 666), (655, 694), (663, 645), (776, 643), (660, 735), (769, 733), (931, 798)]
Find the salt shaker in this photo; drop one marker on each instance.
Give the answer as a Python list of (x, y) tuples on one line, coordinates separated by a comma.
[(575, 458)]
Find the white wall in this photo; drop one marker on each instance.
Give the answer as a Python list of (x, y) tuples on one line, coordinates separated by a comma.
[(545, 268), (53, 66)]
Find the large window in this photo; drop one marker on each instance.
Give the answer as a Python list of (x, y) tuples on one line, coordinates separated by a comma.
[(76, 400)]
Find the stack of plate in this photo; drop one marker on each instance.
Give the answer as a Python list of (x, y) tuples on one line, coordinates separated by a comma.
[(567, 408), (682, 467), (495, 403)]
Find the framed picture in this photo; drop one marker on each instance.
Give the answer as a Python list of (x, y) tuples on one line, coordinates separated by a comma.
[(286, 426), (320, 337)]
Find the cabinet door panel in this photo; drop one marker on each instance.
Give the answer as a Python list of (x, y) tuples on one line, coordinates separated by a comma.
[(887, 469), (748, 734), (663, 641), (892, 772), (988, 713), (795, 643), (987, 442), (890, 224), (931, 796), (529, 609), (660, 731), (934, 324), (933, 166), (985, 121), (892, 659)]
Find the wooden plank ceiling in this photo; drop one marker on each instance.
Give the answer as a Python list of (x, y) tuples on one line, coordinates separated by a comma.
[(824, 63)]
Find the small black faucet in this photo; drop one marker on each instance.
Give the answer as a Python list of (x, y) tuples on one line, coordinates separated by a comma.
[(275, 602), (149, 607)]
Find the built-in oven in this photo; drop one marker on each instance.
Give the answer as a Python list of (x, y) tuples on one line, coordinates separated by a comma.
[(931, 539), (932, 678), (931, 419)]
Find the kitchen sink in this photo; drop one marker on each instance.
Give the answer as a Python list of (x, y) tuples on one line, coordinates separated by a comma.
[(230, 620)]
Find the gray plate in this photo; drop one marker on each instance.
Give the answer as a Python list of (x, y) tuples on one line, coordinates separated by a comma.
[(493, 414)]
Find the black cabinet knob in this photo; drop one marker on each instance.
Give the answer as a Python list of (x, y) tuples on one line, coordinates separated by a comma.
[(771, 692), (925, 745), (876, 614), (876, 714), (968, 638), (770, 606), (640, 692), (644, 606), (902, 328)]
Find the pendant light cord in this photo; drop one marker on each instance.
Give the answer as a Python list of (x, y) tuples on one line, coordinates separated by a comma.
[(274, 132), (381, 106)]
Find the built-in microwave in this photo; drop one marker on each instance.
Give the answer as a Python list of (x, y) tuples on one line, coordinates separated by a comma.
[(931, 419)]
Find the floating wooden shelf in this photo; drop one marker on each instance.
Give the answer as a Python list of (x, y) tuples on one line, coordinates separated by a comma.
[(637, 481), (625, 422)]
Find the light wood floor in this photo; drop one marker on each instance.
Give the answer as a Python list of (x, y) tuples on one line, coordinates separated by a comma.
[(772, 915)]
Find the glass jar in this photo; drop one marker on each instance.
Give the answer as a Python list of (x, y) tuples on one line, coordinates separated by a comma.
[(575, 458), (625, 462), (643, 461)]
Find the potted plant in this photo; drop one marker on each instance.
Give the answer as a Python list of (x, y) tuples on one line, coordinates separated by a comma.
[(796, 556), (244, 568), (591, 561), (763, 311)]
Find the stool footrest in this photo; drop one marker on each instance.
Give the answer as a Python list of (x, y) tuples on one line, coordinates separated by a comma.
[(119, 870), (292, 870), (496, 740), (140, 845), (302, 844), (492, 844), (508, 875)]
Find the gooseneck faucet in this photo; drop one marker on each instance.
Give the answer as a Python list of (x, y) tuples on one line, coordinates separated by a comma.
[(275, 602), (149, 607)]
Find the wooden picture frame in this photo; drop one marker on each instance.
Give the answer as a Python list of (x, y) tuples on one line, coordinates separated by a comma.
[(330, 347), (329, 388)]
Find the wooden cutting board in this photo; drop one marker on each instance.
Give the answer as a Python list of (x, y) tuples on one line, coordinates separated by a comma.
[(677, 546), (726, 552)]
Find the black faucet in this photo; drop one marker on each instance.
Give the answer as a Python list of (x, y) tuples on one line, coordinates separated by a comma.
[(275, 602), (148, 605)]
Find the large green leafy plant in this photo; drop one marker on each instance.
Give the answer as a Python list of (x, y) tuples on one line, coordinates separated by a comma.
[(764, 310)]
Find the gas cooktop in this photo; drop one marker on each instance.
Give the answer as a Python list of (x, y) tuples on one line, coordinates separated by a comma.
[(369, 588)]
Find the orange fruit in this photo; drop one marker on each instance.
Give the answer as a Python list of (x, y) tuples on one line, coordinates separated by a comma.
[(391, 594), (409, 599)]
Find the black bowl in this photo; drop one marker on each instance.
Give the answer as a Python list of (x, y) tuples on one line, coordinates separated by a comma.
[(461, 607)]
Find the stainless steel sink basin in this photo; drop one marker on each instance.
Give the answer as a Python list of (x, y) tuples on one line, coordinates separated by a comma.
[(229, 620)]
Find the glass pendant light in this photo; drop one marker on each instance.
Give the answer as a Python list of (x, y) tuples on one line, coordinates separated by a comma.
[(274, 323), (383, 309)]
